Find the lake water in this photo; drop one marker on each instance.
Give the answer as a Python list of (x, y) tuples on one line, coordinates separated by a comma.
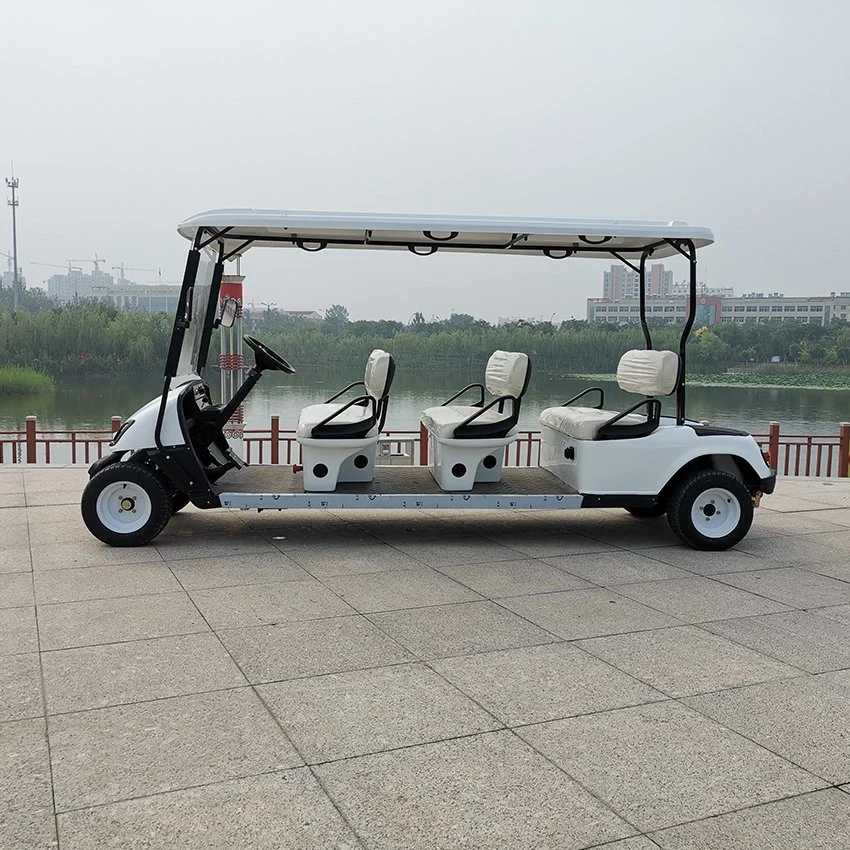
[(91, 403)]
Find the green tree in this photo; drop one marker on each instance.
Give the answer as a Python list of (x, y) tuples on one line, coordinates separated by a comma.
[(336, 319)]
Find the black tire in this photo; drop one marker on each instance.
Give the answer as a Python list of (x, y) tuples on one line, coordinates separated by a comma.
[(128, 495), (179, 501), (649, 511), (722, 521)]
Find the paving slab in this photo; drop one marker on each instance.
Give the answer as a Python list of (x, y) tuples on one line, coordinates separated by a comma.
[(15, 558), (483, 792), (111, 754), (808, 549), (839, 613), (686, 660), (88, 583), (270, 602), (816, 821), (390, 591), (69, 624), (533, 684), (367, 557), (367, 711), (69, 531), (445, 550), (18, 632), (24, 768), (549, 542), (20, 687), (199, 573), (460, 629), (803, 639), (234, 544), (279, 811), (706, 563), (587, 613), (311, 648), (698, 600), (513, 578), (792, 586), (117, 673), (662, 764), (16, 590), (27, 830), (617, 567), (13, 535), (805, 720), (89, 553)]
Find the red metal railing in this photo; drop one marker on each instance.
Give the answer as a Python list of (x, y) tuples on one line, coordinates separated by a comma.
[(803, 455)]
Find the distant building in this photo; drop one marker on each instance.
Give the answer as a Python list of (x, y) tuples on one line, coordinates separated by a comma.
[(304, 315), (124, 295), (715, 309), (7, 280), (621, 282)]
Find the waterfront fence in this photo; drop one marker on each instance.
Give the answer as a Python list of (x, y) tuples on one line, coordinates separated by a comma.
[(807, 455)]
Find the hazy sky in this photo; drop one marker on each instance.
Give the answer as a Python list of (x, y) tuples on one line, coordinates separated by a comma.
[(122, 119)]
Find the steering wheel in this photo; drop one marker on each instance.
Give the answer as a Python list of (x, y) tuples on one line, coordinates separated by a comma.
[(266, 358)]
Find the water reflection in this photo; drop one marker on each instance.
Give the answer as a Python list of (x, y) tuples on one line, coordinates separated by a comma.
[(88, 403)]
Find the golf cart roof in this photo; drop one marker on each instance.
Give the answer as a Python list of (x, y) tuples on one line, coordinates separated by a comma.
[(241, 229)]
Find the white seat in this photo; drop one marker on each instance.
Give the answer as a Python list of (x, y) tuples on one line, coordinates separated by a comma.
[(466, 442), (583, 423), (649, 373), (442, 421), (339, 439), (313, 415)]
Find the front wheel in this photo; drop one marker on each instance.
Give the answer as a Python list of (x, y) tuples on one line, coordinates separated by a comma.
[(711, 510), (126, 504)]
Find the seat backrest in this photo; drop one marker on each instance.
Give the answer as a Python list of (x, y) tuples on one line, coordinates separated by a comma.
[(507, 373), (380, 369), (650, 373)]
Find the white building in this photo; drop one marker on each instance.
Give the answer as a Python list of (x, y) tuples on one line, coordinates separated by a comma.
[(714, 309), (125, 295)]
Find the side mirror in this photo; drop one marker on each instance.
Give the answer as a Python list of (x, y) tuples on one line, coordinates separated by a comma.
[(229, 308)]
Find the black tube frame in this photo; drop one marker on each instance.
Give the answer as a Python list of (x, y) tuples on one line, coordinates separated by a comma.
[(206, 236)]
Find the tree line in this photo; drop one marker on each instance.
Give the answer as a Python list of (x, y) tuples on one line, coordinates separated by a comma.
[(94, 338)]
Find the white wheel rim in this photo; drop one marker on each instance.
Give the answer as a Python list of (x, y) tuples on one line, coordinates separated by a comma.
[(716, 512), (123, 507)]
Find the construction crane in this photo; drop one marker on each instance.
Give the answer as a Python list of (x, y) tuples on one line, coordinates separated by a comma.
[(95, 261), (68, 267), (122, 268)]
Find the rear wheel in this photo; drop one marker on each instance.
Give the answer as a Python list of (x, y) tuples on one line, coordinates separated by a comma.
[(126, 504), (711, 510)]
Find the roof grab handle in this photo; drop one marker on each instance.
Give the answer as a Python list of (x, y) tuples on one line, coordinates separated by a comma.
[(558, 254), (428, 250), (318, 246), (601, 241), (429, 234)]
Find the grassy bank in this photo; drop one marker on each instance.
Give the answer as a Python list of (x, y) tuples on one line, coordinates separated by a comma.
[(21, 380), (778, 378)]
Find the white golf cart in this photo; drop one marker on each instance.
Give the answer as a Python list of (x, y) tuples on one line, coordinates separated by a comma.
[(173, 450)]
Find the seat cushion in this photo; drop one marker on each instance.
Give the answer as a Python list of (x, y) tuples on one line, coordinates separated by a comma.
[(506, 373), (378, 374), (311, 416), (583, 423), (442, 421), (648, 372)]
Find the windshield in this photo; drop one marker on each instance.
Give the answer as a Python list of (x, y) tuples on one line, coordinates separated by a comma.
[(200, 301)]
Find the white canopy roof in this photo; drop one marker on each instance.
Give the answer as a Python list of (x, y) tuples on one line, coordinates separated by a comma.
[(425, 234)]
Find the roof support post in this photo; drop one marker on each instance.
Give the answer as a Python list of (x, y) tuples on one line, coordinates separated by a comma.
[(688, 250), (642, 283)]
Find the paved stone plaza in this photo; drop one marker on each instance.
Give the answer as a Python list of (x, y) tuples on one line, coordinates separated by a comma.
[(413, 680)]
